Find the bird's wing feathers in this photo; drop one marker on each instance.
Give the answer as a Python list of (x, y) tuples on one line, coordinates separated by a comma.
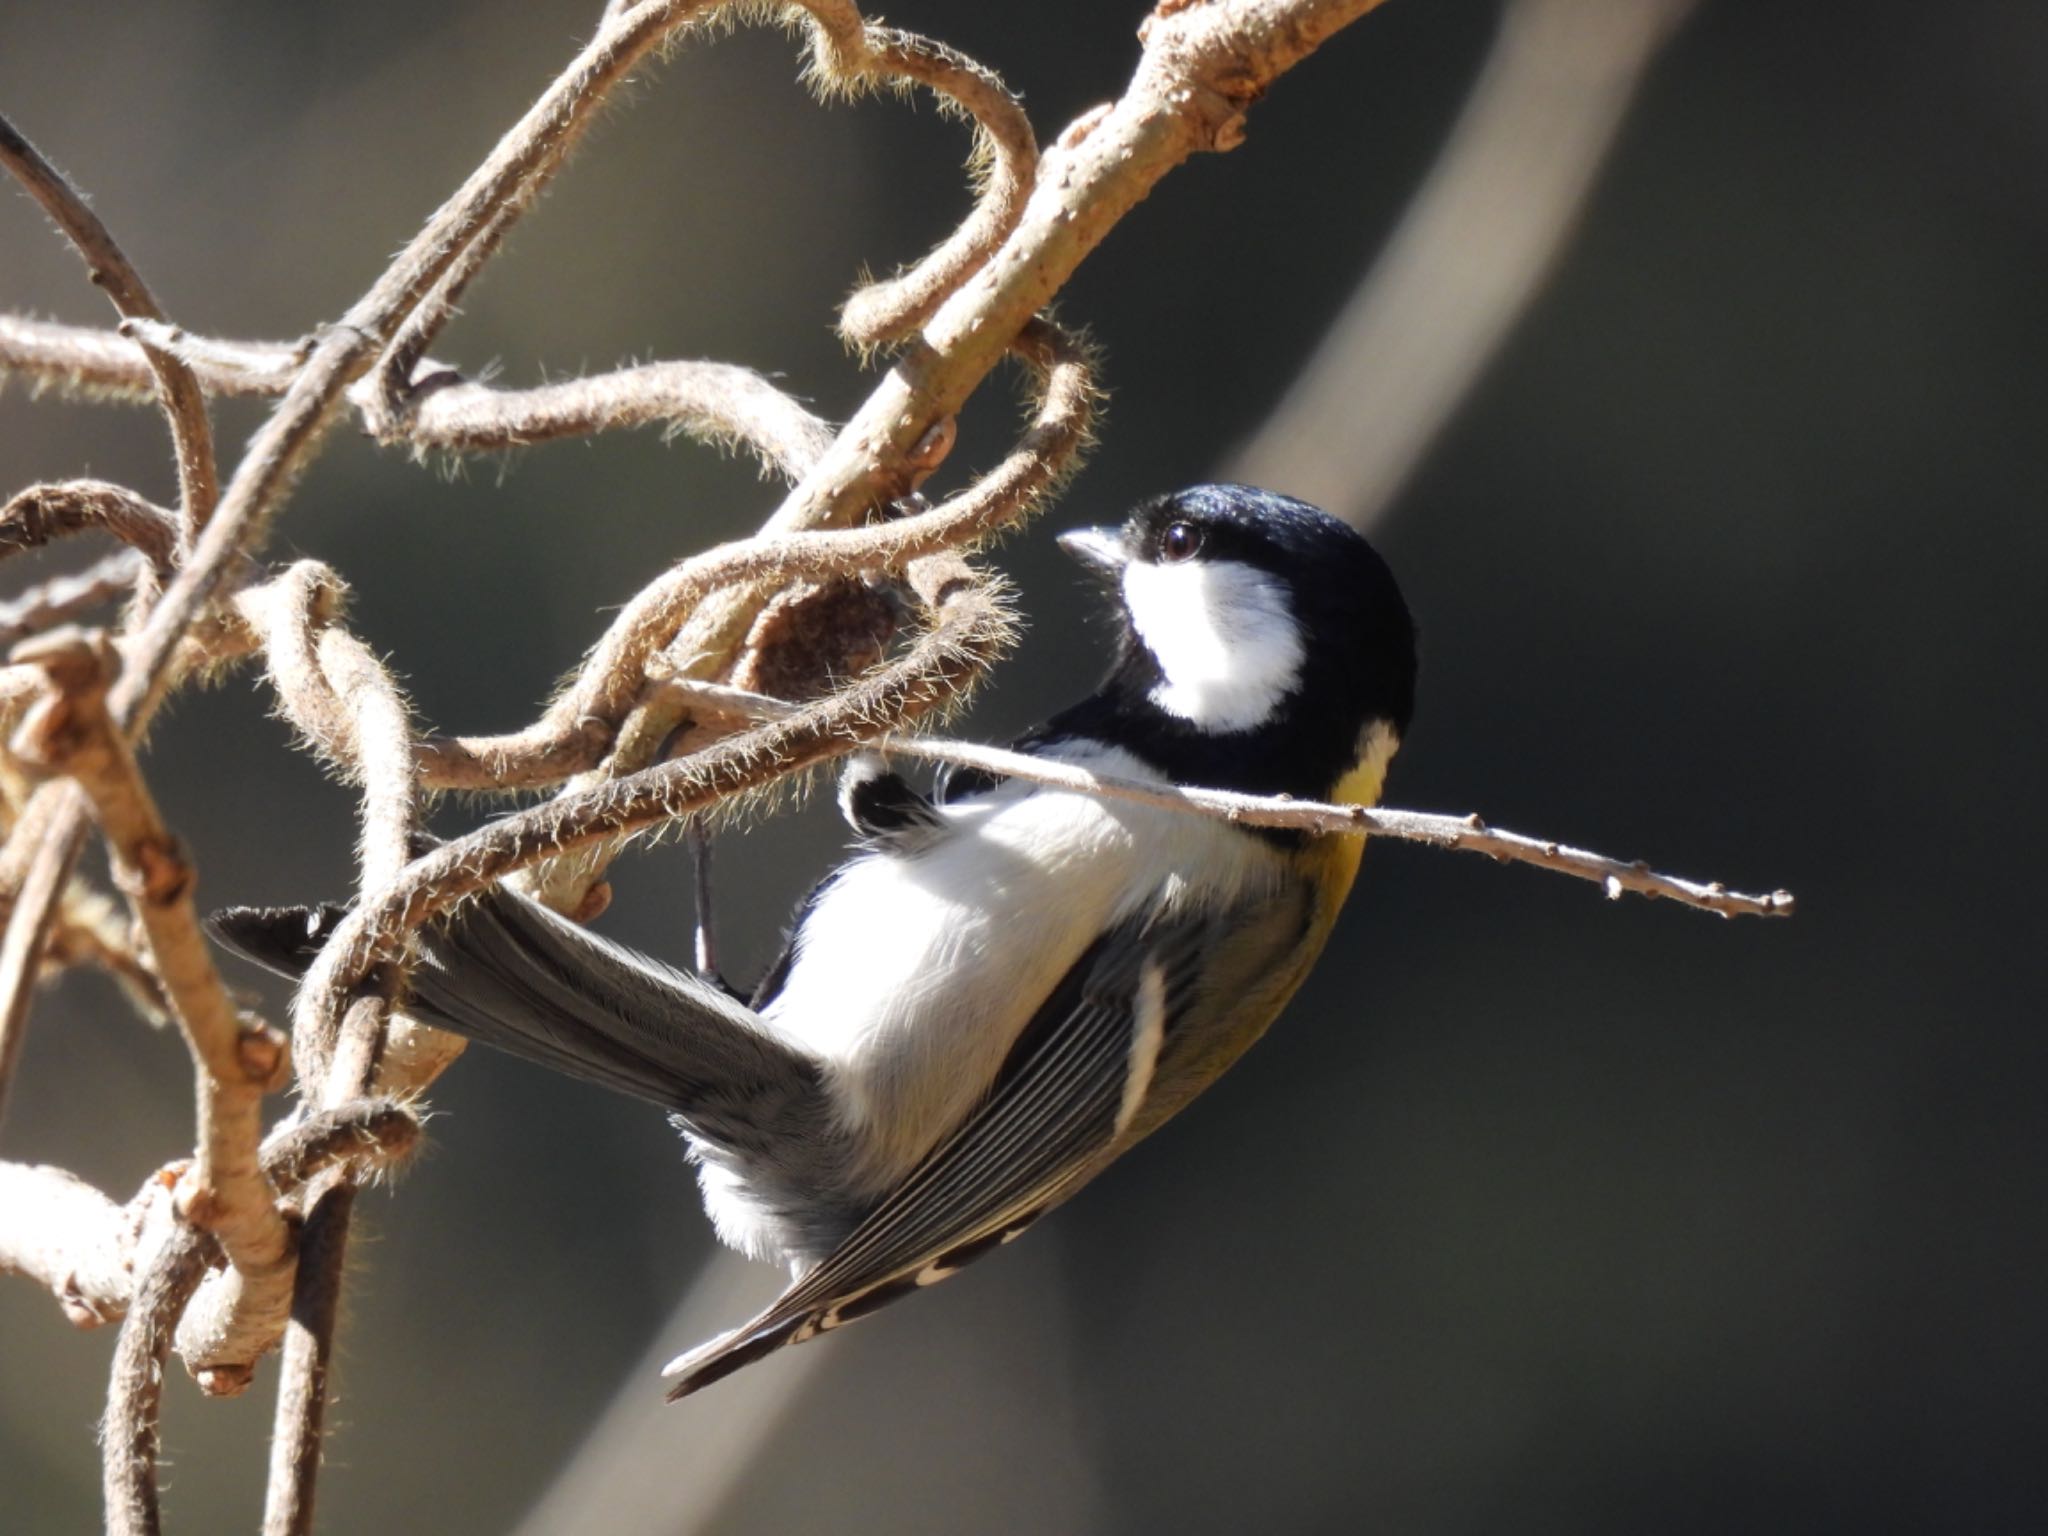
[(506, 971), (1075, 1077)]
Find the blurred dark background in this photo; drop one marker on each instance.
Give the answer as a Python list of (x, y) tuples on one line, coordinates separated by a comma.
[(1537, 1213)]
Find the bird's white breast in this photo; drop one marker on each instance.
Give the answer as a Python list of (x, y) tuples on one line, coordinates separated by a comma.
[(914, 972)]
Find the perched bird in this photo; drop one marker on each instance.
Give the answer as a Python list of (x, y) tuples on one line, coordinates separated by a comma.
[(1005, 985)]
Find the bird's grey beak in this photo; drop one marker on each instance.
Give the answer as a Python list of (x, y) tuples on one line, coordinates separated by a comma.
[(1100, 549)]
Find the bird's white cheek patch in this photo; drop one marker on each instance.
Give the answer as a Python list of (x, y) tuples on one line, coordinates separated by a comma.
[(1229, 650)]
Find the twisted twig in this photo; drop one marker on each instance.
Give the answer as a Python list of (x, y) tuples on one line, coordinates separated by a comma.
[(971, 625), (34, 517), (613, 679)]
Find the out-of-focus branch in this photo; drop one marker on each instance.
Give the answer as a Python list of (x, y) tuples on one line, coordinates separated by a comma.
[(1470, 253), (60, 1232), (63, 598)]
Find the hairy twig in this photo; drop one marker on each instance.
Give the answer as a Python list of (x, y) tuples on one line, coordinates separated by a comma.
[(129, 1439), (372, 1130), (42, 513), (344, 699), (61, 818), (184, 402), (1202, 68), (970, 625), (302, 1389), (1467, 833), (83, 360), (719, 403), (613, 680)]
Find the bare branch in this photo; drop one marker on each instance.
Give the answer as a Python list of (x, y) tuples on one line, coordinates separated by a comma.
[(373, 1129), (1202, 68), (68, 1237), (613, 679), (183, 402), (1005, 145), (308, 1362), (1467, 833), (718, 403)]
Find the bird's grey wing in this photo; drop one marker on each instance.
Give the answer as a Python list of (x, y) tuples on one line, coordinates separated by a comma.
[(508, 972), (1075, 1078)]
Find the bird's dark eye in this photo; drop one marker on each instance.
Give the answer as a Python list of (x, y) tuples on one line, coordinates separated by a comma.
[(1180, 541)]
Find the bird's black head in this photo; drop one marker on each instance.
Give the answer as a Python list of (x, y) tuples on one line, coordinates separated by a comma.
[(1263, 642)]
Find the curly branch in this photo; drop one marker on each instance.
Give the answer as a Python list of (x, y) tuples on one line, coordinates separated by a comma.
[(373, 1130), (43, 513), (184, 403), (613, 679), (971, 625)]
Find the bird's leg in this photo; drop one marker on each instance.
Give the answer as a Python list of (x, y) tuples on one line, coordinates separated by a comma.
[(705, 945)]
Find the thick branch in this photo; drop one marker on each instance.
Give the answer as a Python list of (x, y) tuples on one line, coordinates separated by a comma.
[(60, 1232), (236, 1061)]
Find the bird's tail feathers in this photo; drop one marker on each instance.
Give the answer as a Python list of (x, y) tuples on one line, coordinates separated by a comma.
[(510, 973)]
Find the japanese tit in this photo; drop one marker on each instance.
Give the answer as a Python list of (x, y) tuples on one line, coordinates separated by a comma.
[(1005, 985)]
